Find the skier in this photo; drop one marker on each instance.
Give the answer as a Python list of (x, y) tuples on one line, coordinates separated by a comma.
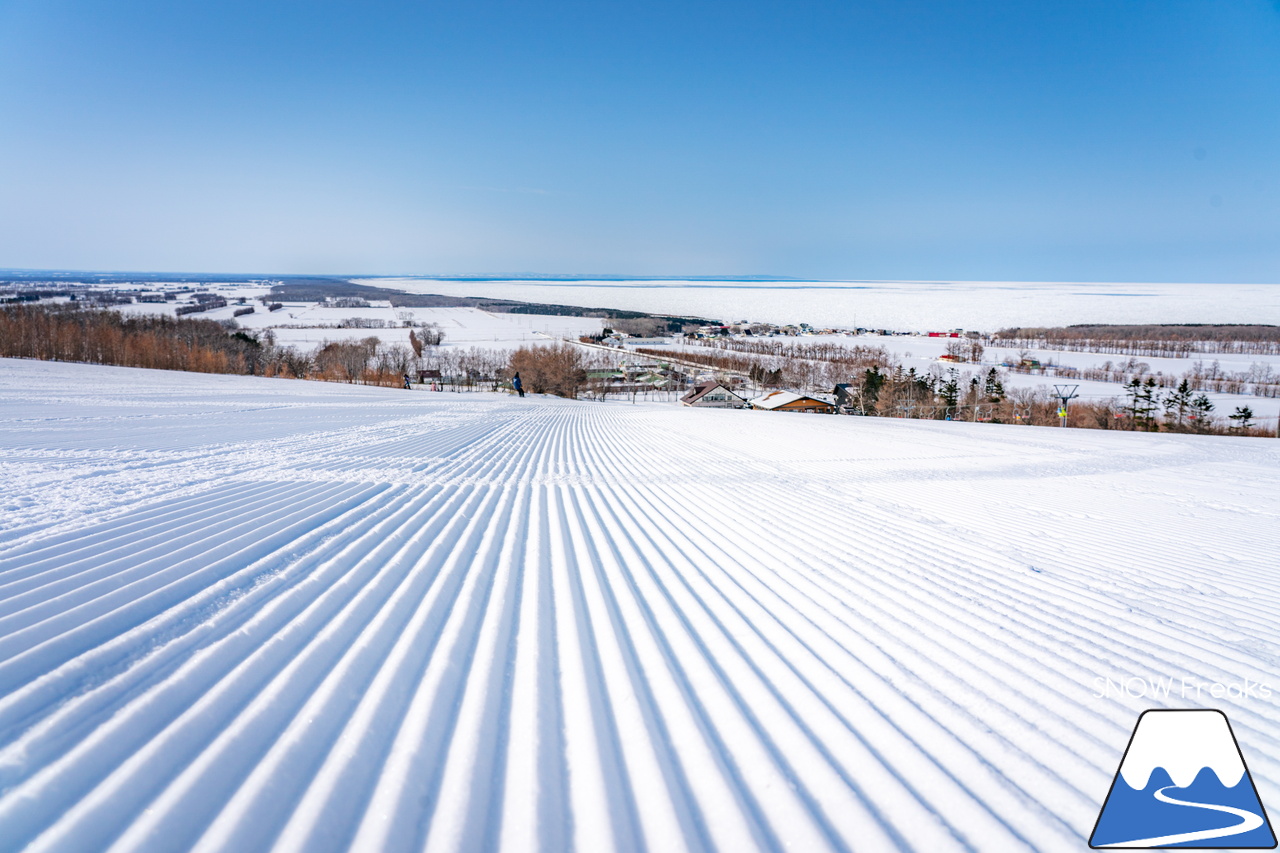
[(406, 382), (517, 384)]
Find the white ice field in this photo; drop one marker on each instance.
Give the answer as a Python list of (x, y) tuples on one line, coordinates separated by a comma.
[(244, 614), (904, 306)]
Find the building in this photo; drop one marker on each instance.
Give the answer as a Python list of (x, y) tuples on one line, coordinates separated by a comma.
[(789, 401), (848, 399), (713, 395)]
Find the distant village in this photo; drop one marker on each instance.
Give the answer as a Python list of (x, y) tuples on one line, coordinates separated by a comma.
[(595, 354), (747, 387)]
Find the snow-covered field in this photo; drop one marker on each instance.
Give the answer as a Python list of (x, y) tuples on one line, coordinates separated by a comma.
[(238, 613), (307, 325), (906, 306), (498, 330)]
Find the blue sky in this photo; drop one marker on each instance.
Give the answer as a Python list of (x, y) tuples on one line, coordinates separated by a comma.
[(1073, 140)]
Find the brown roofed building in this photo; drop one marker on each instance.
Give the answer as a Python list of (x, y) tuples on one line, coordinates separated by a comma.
[(713, 395), (789, 401)]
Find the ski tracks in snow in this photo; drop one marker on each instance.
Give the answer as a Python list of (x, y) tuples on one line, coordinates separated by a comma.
[(351, 618)]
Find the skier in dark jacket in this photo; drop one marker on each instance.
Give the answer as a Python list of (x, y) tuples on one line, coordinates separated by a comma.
[(517, 384), (406, 382)]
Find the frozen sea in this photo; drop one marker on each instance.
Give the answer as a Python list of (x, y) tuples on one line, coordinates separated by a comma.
[(895, 305)]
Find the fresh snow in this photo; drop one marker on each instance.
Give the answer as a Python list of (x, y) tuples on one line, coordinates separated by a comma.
[(240, 613)]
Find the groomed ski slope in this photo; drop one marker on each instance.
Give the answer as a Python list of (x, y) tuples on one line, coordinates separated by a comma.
[(239, 614)]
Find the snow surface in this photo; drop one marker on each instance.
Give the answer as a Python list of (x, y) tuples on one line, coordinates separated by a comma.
[(307, 325), (905, 306), (242, 613), (500, 330)]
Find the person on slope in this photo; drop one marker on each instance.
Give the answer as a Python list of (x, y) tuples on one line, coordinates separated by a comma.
[(517, 384), (406, 382)]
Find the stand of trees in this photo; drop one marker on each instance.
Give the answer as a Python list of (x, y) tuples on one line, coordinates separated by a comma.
[(1260, 380), (558, 369), (70, 333), (1167, 341)]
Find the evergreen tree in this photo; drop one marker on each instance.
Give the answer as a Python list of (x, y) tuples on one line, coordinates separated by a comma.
[(872, 381), (1142, 404), (1177, 404), (949, 392), (993, 388), (1243, 418), (1201, 406), (1133, 388)]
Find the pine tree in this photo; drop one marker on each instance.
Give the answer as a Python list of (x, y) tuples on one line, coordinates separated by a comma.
[(1177, 404), (1243, 418), (949, 392), (993, 389), (1201, 407), (1141, 402), (1133, 388), (872, 381)]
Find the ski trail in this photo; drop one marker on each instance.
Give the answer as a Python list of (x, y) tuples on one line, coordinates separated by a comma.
[(284, 615)]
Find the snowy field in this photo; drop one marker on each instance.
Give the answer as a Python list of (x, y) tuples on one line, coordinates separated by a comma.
[(905, 306), (240, 613), (307, 325), (467, 327)]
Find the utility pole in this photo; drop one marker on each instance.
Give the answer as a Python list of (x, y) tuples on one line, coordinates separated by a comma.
[(1065, 393)]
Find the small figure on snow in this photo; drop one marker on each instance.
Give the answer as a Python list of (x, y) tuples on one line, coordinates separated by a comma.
[(517, 384), (406, 382)]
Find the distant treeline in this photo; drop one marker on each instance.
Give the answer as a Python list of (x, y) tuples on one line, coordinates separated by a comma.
[(68, 333), (71, 333), (1152, 341)]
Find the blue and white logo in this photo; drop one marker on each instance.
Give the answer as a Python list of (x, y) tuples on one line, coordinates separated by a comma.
[(1183, 783)]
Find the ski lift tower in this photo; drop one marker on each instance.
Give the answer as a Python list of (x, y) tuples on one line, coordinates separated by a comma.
[(1064, 393)]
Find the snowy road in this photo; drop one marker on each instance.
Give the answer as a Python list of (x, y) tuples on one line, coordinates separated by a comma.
[(238, 614)]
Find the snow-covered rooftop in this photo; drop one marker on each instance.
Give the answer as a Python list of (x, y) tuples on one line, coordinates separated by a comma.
[(777, 399)]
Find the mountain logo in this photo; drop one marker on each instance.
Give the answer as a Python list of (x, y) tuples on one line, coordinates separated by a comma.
[(1183, 783)]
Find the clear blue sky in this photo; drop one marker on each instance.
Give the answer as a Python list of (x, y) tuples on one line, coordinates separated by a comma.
[(1074, 140)]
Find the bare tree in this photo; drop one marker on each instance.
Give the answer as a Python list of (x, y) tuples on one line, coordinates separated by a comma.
[(556, 369)]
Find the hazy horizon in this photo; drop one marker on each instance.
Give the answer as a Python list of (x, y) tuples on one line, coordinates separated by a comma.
[(520, 277)]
